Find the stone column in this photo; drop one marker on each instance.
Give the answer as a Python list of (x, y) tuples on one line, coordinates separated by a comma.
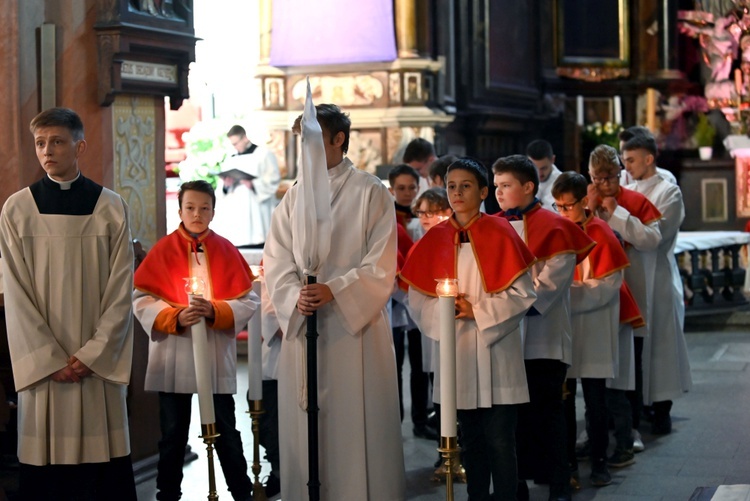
[(265, 17), (406, 28)]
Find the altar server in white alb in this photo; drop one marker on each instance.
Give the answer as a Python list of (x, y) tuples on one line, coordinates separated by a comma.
[(361, 454), (68, 276), (541, 155), (248, 192), (666, 369)]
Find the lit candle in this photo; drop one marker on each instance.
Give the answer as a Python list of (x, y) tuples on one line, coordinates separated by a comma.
[(738, 83), (195, 287), (651, 109), (447, 290), (618, 110), (255, 345), (579, 110)]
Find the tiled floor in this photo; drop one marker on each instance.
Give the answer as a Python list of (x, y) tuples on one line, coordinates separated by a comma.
[(710, 444), (709, 447)]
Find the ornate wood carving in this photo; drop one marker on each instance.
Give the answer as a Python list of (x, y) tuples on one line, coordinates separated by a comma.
[(145, 47)]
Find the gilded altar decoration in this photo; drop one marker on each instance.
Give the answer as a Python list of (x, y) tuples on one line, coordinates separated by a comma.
[(344, 90)]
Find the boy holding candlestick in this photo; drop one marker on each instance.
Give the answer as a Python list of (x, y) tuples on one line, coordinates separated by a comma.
[(491, 264), (161, 305), (558, 245)]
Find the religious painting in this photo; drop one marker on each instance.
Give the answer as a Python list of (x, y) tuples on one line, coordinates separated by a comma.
[(394, 88), (580, 42), (273, 93), (714, 200), (597, 110), (412, 87), (366, 149)]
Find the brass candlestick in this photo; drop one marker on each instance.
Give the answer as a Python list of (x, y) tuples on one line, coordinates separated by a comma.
[(256, 409), (209, 438), (449, 449)]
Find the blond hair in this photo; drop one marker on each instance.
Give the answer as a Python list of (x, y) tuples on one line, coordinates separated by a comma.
[(604, 161)]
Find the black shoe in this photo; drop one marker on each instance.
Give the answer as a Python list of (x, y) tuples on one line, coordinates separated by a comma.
[(621, 458), (600, 474), (273, 486), (426, 432), (522, 491), (662, 425), (432, 419)]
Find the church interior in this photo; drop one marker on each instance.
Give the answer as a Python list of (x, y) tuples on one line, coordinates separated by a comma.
[(477, 78)]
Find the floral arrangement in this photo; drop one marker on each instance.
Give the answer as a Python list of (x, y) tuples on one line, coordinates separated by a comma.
[(207, 147), (607, 133), (682, 118)]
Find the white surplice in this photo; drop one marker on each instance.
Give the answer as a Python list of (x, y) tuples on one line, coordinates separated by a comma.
[(489, 349), (171, 367), (361, 454), (68, 282), (548, 335), (643, 241), (595, 313), (243, 215), (666, 368), (545, 189)]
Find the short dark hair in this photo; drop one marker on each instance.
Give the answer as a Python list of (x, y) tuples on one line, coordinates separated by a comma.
[(401, 170), (570, 182), (199, 185), (334, 121), (470, 165), (539, 150), (59, 117), (641, 142), (419, 150), (237, 130), (435, 196), (631, 132), (520, 167), (439, 167)]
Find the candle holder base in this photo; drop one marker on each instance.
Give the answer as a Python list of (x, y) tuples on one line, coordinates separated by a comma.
[(209, 436), (451, 470), (256, 409)]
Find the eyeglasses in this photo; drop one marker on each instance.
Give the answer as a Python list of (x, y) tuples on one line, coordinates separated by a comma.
[(603, 180), (564, 207), (425, 213)]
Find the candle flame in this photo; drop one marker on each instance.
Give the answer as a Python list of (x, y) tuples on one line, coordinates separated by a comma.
[(447, 287), (195, 286)]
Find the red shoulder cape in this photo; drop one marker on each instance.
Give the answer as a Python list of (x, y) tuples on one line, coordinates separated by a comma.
[(638, 205), (629, 311), (403, 240), (548, 235), (501, 254), (168, 262), (607, 256)]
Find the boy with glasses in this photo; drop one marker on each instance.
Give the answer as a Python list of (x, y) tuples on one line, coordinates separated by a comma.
[(637, 221)]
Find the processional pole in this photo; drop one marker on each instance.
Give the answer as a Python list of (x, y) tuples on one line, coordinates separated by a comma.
[(313, 483)]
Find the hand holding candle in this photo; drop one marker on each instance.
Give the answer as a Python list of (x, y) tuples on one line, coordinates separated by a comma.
[(195, 287), (447, 291)]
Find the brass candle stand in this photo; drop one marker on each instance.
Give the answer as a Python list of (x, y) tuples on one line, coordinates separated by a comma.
[(209, 438), (256, 409), (449, 449)]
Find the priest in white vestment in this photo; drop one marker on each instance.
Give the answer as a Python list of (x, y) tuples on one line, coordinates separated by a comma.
[(666, 368), (68, 275), (361, 455)]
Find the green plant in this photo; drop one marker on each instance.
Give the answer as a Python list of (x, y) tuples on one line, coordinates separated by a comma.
[(606, 133), (206, 146), (704, 132)]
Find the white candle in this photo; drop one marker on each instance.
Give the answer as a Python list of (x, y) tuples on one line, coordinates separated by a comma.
[(447, 290), (579, 110), (202, 369), (618, 110), (254, 351)]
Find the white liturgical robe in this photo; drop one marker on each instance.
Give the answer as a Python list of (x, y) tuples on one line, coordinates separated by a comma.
[(666, 368), (489, 349), (68, 283), (361, 454)]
